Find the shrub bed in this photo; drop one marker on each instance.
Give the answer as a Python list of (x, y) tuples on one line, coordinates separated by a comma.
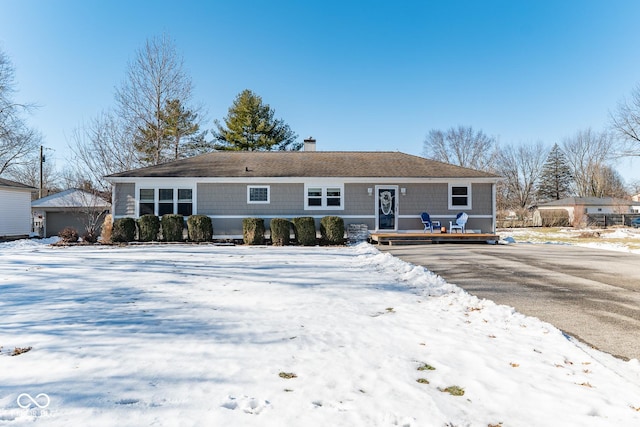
[(124, 230), (280, 231), (304, 229), (332, 230), (148, 228), (172, 227), (200, 228), (253, 231)]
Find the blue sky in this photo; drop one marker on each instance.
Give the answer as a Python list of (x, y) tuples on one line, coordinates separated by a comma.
[(356, 75)]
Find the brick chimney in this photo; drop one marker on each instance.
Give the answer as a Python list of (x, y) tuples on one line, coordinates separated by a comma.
[(310, 144)]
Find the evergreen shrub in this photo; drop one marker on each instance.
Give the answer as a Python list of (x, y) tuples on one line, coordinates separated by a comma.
[(124, 230), (200, 228), (280, 231), (304, 228), (332, 230), (253, 231), (148, 228), (172, 227)]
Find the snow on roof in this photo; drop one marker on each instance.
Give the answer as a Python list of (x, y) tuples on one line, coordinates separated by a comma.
[(71, 198)]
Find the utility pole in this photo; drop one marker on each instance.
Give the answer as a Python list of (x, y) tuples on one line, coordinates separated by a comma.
[(42, 159)]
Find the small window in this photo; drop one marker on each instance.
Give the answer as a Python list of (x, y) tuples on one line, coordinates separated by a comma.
[(258, 194), (326, 198), (165, 201), (185, 202), (459, 196), (147, 201), (314, 196), (333, 196)]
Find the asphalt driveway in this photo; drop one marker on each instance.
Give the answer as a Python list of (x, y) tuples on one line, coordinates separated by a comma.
[(591, 294)]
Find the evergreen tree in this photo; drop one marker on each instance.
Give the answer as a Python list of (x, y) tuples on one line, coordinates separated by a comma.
[(181, 129), (556, 179), (172, 137), (250, 126)]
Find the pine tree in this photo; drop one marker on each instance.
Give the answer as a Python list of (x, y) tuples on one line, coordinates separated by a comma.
[(181, 128), (172, 137), (250, 126), (556, 179)]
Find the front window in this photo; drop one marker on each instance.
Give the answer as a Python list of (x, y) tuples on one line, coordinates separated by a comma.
[(258, 194), (314, 196), (334, 196), (460, 196), (164, 201), (147, 201), (320, 197), (185, 201)]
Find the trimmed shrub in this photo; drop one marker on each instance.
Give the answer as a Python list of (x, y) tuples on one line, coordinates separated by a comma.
[(280, 231), (304, 229), (332, 230), (200, 228), (253, 231), (124, 230), (172, 227), (107, 227), (148, 228), (68, 235)]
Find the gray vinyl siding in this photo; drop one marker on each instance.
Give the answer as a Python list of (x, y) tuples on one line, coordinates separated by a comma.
[(124, 203), (482, 202), (432, 198), (231, 199)]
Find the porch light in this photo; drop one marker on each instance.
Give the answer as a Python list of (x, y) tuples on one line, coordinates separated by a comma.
[(370, 191), (403, 191)]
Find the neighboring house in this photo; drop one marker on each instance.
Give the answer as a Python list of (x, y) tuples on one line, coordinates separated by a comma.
[(15, 209), (636, 205), (579, 206), (70, 208), (387, 191)]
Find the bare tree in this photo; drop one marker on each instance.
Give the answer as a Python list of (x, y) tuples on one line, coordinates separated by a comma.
[(521, 167), (462, 146), (607, 182), (155, 78), (625, 122), (588, 153), (17, 140), (101, 148), (29, 173)]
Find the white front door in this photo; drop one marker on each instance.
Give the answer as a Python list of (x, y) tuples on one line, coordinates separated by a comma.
[(387, 208)]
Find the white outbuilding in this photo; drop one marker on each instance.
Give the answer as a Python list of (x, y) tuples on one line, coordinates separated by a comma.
[(15, 209)]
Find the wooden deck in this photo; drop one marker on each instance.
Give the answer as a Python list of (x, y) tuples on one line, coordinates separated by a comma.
[(429, 238)]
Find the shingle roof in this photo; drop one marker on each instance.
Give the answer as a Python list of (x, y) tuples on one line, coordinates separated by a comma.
[(251, 164), (12, 184)]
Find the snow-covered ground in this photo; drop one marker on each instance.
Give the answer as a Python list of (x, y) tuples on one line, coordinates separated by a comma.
[(612, 239), (180, 335)]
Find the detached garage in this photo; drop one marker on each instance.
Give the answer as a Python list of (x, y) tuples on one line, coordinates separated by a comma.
[(73, 208), (15, 209)]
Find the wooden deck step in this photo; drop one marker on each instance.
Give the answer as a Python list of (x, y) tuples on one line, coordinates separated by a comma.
[(409, 242)]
